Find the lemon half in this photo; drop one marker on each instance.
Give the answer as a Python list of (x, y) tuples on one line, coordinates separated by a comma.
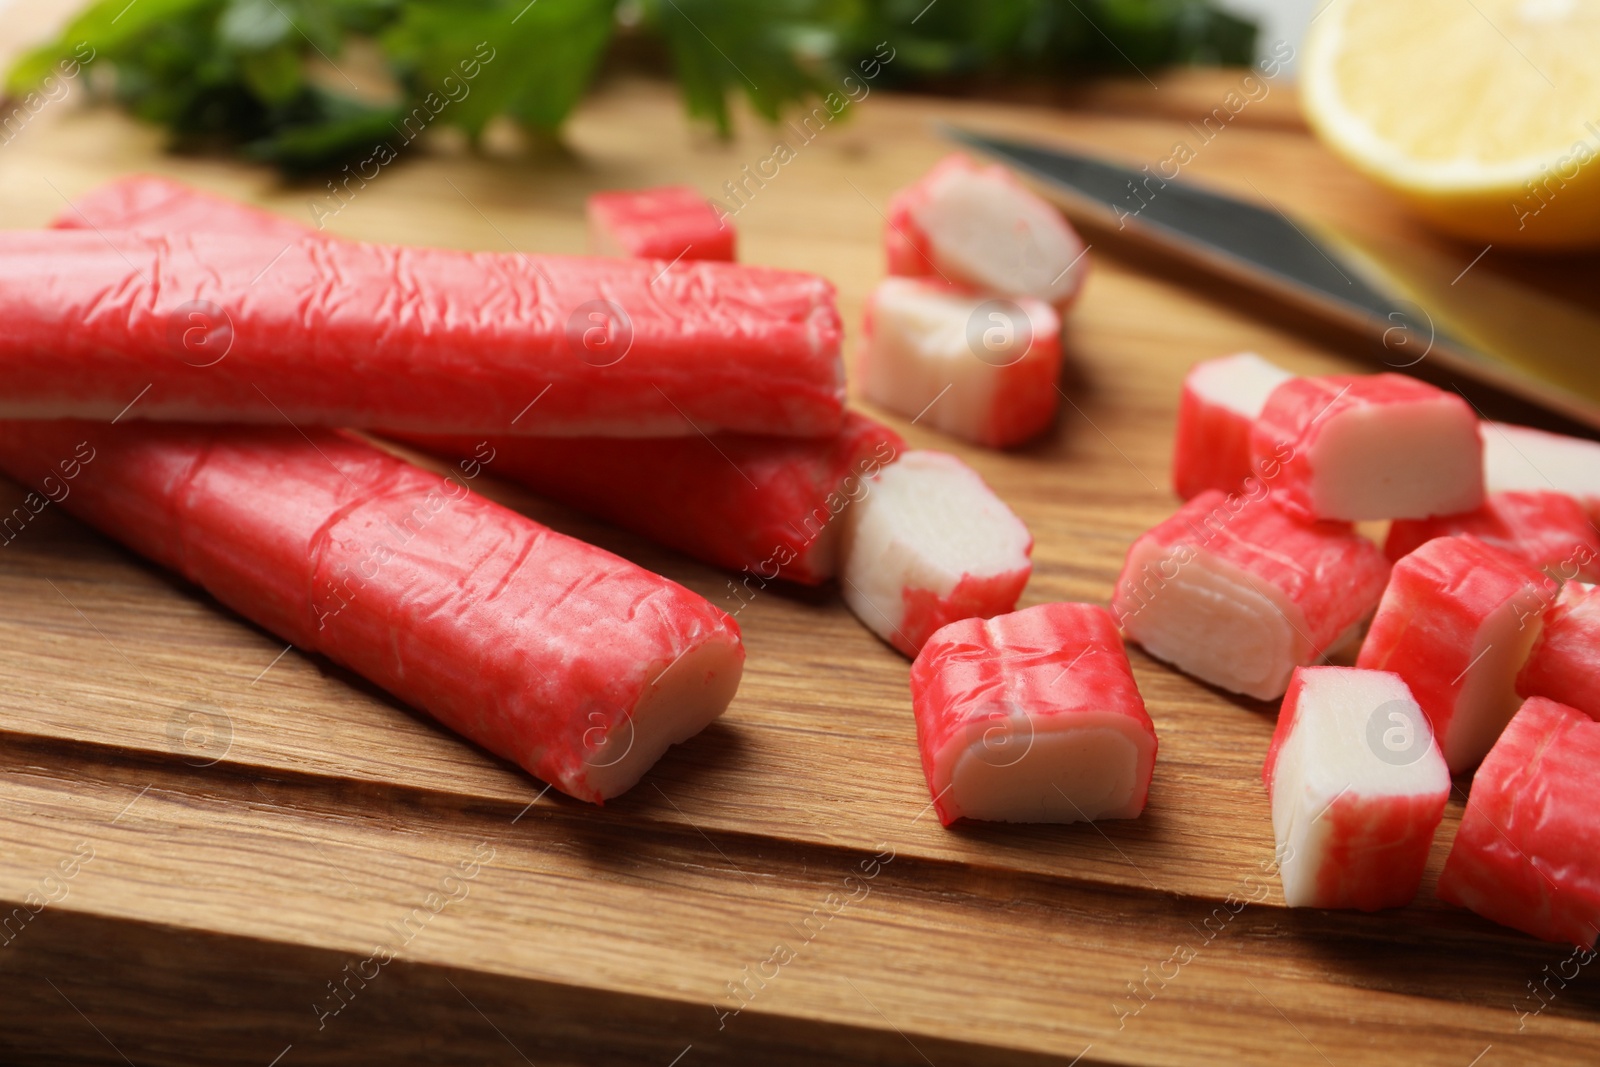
[(1483, 114)]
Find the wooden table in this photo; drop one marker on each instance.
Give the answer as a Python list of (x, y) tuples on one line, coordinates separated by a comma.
[(260, 821)]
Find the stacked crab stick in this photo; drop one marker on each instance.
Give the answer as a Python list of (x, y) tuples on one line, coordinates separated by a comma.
[(1379, 446), (1565, 662), (1357, 789), (1221, 401), (1032, 717), (972, 366), (1528, 851), (1457, 622), (766, 505), (1239, 593), (244, 328), (672, 222), (1520, 458), (1550, 530), (929, 543), (576, 665), (980, 228)]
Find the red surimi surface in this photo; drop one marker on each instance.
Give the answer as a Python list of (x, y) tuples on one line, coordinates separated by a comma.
[(1565, 662), (1550, 530), (671, 222)]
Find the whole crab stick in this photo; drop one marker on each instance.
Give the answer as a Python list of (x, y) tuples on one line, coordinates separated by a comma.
[(249, 327), (1457, 622), (1565, 662), (671, 222), (1221, 400), (978, 226), (929, 543), (150, 204), (1520, 457), (1549, 530), (1374, 446), (1032, 717), (766, 505), (1237, 593), (1528, 851), (1357, 789), (576, 665), (978, 368)]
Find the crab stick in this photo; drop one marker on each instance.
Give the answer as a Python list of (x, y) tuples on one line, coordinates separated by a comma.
[(249, 327), (927, 544), (1565, 662), (149, 204), (1221, 400), (1457, 622), (979, 227), (1357, 789), (576, 665), (975, 367), (1237, 593), (1375, 446), (1549, 530), (1032, 717), (1520, 457), (1528, 851), (766, 505), (672, 222)]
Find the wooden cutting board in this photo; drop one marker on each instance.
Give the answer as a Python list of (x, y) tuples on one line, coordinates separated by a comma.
[(227, 840)]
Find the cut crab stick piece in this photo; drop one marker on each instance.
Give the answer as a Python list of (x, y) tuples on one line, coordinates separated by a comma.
[(1457, 622), (572, 663), (1565, 662), (1222, 398), (979, 368), (248, 328), (928, 544), (672, 222), (770, 506), (1375, 446), (1238, 593), (1527, 855), (1357, 789), (978, 226), (148, 204), (1549, 530), (1032, 717), (1520, 457)]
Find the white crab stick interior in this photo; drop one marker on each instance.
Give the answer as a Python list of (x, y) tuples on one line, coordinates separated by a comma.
[(1488, 695), (1239, 383), (1517, 457), (1395, 461), (1359, 749), (683, 699), (927, 522), (1000, 236), (1086, 767), (923, 357)]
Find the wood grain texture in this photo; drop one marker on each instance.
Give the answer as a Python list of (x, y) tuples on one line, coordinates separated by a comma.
[(259, 821)]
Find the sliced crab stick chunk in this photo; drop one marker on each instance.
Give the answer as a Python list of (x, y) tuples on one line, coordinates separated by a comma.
[(1457, 622), (1549, 530), (929, 543), (671, 223), (1239, 594), (770, 506), (1520, 457), (1222, 398), (978, 226), (1377, 446), (1565, 662), (248, 327), (1032, 717), (979, 368), (1357, 789), (572, 663), (1527, 855)]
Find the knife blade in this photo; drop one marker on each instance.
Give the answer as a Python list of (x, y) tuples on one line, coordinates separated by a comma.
[(1413, 302)]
